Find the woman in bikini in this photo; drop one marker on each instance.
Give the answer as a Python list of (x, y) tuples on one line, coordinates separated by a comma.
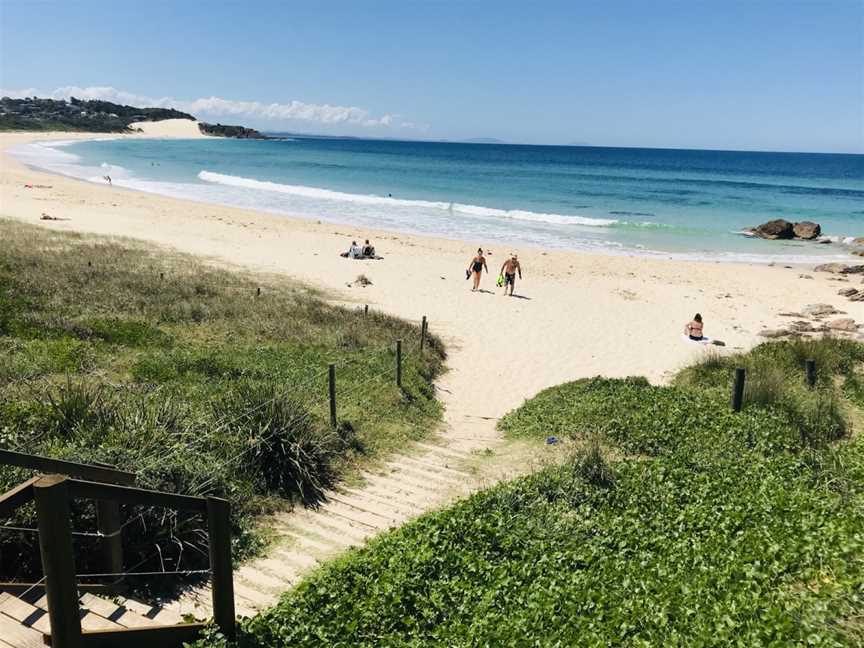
[(693, 330), (478, 263)]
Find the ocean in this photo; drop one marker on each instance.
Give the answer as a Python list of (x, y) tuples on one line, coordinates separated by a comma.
[(674, 203)]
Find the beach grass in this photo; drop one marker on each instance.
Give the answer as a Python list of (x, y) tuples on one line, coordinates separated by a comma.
[(705, 527), (201, 380)]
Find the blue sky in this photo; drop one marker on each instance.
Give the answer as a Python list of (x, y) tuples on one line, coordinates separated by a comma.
[(758, 74)]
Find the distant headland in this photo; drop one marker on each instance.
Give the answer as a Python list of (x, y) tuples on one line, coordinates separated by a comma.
[(93, 116)]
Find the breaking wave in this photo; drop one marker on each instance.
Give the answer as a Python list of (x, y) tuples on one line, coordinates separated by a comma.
[(384, 201)]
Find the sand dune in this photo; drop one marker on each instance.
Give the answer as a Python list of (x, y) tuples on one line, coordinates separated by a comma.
[(169, 128)]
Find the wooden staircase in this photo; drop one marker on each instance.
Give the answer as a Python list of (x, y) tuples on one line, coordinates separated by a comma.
[(24, 620), (59, 609), (408, 486)]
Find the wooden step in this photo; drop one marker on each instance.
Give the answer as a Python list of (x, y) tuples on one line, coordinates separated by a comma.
[(377, 494), (24, 613), (117, 613), (13, 634), (159, 615)]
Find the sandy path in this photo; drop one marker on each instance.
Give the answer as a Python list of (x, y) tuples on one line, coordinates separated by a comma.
[(577, 315)]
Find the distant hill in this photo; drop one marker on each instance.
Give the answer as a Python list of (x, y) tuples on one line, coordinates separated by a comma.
[(34, 114), (483, 140)]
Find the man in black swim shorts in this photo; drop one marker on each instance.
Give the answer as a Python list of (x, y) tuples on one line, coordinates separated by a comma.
[(509, 269)]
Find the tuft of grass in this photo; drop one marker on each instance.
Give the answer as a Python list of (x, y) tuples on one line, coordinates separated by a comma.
[(766, 385), (590, 465), (279, 443)]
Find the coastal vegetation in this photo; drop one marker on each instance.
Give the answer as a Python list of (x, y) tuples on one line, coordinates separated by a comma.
[(671, 520), (198, 379), (236, 132), (35, 114)]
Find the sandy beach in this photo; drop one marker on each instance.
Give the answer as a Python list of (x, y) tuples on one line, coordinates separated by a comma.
[(575, 314)]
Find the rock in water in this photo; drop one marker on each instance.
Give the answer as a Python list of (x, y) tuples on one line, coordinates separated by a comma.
[(806, 230), (775, 229)]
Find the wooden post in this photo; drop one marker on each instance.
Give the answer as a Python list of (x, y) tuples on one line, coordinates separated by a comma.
[(423, 333), (366, 310), (58, 561), (332, 384), (258, 292), (108, 520), (219, 528), (399, 363), (738, 389), (810, 368)]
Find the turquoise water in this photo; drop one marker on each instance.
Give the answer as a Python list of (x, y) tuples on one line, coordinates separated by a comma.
[(649, 201)]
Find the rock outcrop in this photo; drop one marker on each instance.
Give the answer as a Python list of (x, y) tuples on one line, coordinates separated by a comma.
[(839, 268), (845, 324), (819, 310), (780, 228), (806, 230), (224, 130), (775, 229)]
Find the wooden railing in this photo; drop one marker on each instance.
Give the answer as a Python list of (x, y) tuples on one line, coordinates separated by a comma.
[(53, 494)]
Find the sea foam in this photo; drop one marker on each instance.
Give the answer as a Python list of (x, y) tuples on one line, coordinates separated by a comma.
[(387, 201)]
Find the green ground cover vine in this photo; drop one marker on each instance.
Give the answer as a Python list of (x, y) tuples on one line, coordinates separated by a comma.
[(678, 523)]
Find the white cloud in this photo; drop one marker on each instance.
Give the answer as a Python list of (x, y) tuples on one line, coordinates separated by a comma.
[(215, 107)]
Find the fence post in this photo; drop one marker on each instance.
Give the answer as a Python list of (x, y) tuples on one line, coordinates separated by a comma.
[(399, 363), (366, 309), (810, 368), (423, 326), (219, 530), (108, 520), (738, 389), (331, 370), (58, 561)]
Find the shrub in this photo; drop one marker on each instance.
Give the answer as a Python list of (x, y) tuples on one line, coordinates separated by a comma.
[(283, 445)]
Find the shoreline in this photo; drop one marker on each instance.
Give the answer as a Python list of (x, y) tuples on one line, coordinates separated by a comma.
[(836, 252), (579, 314)]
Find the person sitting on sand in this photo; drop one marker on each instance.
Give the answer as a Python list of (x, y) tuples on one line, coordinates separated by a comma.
[(693, 330), (509, 269), (368, 250), (354, 252), (476, 268)]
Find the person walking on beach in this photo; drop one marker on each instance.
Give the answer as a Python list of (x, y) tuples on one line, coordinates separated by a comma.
[(509, 269), (478, 263), (694, 329)]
